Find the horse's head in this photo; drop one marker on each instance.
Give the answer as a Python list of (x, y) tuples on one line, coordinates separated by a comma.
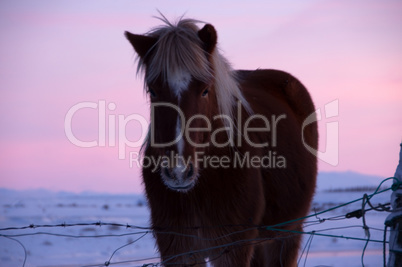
[(179, 79)]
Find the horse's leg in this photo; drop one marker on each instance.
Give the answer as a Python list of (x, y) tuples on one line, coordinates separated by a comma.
[(185, 260), (260, 257), (283, 251), (177, 250), (234, 257)]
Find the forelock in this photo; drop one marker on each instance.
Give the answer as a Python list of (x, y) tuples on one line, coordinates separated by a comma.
[(178, 50)]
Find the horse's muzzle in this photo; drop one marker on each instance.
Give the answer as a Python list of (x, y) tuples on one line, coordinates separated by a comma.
[(181, 177)]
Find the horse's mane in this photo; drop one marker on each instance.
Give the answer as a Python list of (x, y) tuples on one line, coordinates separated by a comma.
[(179, 49)]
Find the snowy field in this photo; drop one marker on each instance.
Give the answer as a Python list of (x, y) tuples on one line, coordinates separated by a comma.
[(94, 245)]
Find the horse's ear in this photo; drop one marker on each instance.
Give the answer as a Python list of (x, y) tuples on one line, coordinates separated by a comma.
[(209, 37), (141, 43)]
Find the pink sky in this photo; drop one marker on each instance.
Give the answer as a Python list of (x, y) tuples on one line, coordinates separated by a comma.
[(57, 54)]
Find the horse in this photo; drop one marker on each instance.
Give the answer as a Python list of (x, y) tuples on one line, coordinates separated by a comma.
[(225, 155)]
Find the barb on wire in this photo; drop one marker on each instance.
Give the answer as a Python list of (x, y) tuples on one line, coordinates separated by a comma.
[(64, 225)]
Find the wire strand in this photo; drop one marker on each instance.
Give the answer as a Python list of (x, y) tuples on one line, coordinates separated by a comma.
[(282, 231)]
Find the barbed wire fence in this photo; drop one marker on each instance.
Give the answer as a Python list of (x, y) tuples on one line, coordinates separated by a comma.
[(314, 219)]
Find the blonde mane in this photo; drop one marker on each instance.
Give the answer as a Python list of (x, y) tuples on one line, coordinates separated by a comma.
[(179, 49)]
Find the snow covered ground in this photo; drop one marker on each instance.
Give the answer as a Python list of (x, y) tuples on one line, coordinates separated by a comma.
[(95, 245)]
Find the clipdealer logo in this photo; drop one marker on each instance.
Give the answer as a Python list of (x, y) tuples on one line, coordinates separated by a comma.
[(111, 132), (331, 153)]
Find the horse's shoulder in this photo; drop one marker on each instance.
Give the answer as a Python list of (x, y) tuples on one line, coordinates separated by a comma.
[(271, 83)]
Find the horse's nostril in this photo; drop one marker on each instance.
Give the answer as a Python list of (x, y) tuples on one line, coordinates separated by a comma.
[(190, 171), (167, 172)]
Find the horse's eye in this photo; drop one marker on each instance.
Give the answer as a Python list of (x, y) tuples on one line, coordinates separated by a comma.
[(152, 92), (205, 92)]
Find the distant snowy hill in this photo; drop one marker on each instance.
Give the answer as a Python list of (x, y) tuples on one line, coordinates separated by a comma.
[(325, 181), (344, 180)]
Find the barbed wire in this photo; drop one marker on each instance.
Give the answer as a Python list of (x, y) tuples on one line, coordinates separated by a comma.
[(281, 233)]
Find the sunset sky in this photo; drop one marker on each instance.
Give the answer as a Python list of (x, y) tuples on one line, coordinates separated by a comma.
[(57, 54)]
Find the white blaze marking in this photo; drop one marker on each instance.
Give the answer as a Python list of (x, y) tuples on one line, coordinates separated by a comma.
[(180, 143), (179, 82), (180, 168)]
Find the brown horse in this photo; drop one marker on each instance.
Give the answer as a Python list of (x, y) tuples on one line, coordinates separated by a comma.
[(225, 153)]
